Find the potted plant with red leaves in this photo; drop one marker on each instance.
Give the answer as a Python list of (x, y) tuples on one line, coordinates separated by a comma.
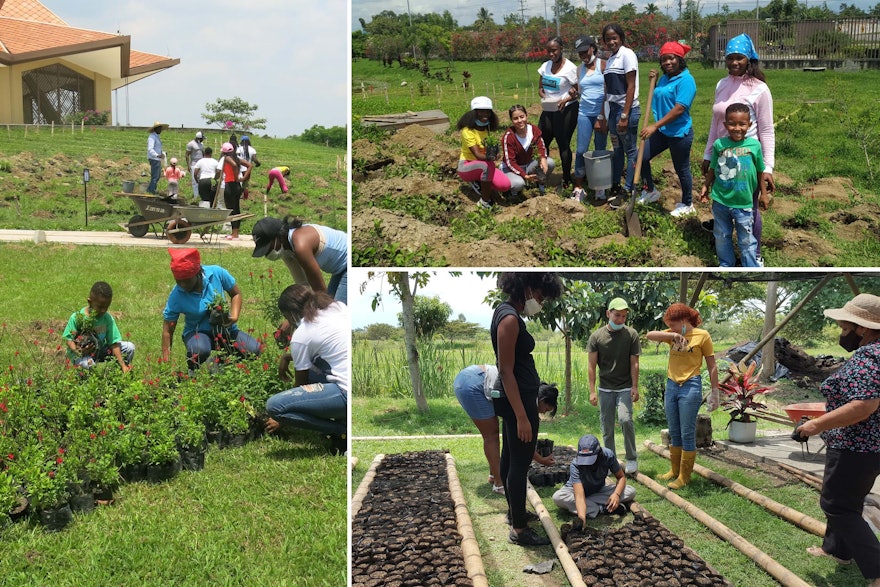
[(743, 396)]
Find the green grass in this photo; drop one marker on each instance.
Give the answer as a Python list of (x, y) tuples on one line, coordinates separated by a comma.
[(251, 517), (41, 177), (808, 149)]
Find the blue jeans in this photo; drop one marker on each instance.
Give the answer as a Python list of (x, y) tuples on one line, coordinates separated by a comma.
[(726, 221), (106, 354), (627, 144), (314, 406), (338, 287), (680, 150), (200, 344), (584, 134), (682, 402), (155, 174)]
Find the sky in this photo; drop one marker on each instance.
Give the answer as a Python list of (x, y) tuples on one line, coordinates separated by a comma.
[(289, 58), (464, 294), (465, 11)]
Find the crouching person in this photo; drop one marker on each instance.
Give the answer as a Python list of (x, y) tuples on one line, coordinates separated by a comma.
[(319, 352), (587, 493)]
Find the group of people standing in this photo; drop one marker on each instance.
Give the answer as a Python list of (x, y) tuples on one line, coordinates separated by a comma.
[(600, 97)]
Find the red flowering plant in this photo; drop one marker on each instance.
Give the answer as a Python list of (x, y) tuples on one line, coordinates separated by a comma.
[(47, 475), (743, 394)]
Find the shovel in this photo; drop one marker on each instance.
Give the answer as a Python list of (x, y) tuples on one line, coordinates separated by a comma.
[(633, 224)]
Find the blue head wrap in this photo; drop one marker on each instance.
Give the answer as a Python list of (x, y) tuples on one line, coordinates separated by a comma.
[(743, 45)]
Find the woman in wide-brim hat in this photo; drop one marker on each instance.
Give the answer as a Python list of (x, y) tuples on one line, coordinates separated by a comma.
[(850, 428)]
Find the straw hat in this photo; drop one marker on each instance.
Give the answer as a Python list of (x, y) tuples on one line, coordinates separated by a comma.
[(864, 310), (157, 125)]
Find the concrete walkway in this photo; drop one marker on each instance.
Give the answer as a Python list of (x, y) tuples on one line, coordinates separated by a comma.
[(123, 239)]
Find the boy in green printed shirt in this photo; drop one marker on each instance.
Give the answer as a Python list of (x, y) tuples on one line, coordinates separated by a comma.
[(92, 335), (734, 171)]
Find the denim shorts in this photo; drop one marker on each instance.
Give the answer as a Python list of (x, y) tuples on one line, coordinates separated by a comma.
[(468, 386)]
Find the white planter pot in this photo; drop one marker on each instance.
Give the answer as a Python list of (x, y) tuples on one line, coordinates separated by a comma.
[(742, 432)]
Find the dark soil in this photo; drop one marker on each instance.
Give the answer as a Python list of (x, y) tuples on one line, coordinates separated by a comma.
[(541, 476), (641, 553), (405, 533)]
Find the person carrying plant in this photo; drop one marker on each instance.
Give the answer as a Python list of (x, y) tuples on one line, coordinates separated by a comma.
[(689, 347), (319, 353), (91, 333), (200, 295), (476, 163), (615, 348), (587, 493), (524, 157)]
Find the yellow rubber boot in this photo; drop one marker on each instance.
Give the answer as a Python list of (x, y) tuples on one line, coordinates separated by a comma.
[(675, 460), (687, 466)]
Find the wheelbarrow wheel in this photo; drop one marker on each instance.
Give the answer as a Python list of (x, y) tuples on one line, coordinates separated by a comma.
[(139, 230), (178, 238)]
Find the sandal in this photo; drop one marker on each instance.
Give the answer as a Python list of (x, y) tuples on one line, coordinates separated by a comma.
[(817, 551), (499, 489)]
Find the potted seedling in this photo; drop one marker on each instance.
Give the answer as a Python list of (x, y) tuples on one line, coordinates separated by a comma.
[(743, 396), (492, 146)]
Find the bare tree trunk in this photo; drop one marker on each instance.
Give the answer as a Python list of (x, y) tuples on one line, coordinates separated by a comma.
[(567, 373), (768, 353), (409, 340)]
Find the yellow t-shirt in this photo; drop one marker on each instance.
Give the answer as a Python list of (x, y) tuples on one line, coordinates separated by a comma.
[(471, 137), (687, 363)]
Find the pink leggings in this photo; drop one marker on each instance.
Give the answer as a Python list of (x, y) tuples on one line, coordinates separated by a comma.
[(275, 175), (476, 170)]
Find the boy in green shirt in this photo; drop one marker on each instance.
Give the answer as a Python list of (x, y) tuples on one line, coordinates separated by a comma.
[(92, 335), (734, 171)]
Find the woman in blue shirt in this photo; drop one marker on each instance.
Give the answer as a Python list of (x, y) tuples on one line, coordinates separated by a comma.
[(672, 129)]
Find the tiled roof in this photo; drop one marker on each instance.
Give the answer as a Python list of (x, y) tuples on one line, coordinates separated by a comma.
[(28, 10), (22, 36)]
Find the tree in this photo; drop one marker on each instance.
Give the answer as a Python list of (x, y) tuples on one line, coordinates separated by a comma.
[(335, 136), (651, 9), (429, 315), (233, 114), (484, 21), (380, 331)]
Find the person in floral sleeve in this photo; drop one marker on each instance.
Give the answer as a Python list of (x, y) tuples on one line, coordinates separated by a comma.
[(850, 428)]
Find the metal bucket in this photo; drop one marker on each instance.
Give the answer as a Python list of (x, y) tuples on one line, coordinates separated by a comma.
[(598, 169), (128, 186)]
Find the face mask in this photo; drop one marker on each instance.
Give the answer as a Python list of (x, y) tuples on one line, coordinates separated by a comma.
[(274, 255), (481, 122), (684, 329), (850, 341), (532, 307), (592, 59), (614, 326)]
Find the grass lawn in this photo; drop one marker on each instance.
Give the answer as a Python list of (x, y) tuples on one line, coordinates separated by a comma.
[(41, 177)]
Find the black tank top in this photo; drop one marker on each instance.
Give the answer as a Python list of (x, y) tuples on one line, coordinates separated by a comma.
[(524, 369)]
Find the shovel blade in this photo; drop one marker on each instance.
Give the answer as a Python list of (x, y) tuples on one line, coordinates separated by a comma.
[(633, 224)]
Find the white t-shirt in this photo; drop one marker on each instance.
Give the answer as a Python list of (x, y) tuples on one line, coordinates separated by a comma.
[(328, 336), (616, 68), (556, 85), (207, 167), (251, 152)]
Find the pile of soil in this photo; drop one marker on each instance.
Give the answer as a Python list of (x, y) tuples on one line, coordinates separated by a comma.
[(806, 370), (405, 533), (541, 476), (641, 553), (390, 175)]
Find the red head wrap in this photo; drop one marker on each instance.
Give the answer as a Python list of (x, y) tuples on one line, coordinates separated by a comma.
[(674, 48), (185, 263)]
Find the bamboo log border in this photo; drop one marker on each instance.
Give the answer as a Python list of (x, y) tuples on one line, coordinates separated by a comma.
[(470, 549), (813, 481), (801, 520), (785, 577), (357, 500), (575, 578)]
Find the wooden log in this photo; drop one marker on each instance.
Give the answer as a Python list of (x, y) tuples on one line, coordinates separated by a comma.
[(785, 577), (357, 500), (797, 518), (808, 478), (470, 549), (571, 571)]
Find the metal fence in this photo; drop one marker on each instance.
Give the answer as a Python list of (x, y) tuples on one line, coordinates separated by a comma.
[(831, 43)]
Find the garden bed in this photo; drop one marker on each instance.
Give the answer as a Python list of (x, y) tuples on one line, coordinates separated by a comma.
[(642, 552), (405, 531)]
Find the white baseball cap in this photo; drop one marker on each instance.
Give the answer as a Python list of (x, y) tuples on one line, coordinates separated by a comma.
[(481, 103)]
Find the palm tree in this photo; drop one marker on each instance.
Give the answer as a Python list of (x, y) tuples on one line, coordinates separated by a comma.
[(484, 20), (651, 9)]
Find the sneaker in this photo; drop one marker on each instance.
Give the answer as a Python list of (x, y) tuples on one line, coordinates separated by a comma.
[(577, 195), (620, 510), (527, 537), (541, 189), (760, 260), (475, 185), (338, 444), (682, 210), (708, 225), (530, 517), (648, 197), (632, 466), (484, 204), (600, 195), (617, 201)]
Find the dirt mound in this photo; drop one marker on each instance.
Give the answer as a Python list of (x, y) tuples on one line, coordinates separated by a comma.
[(412, 173), (805, 370)]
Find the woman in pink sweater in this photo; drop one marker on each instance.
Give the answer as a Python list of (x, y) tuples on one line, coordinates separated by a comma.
[(746, 83)]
